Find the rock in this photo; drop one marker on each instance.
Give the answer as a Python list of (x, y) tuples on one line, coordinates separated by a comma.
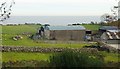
[(21, 37), (14, 39)]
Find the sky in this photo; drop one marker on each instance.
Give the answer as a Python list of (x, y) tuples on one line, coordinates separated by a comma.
[(62, 7), (119, 9)]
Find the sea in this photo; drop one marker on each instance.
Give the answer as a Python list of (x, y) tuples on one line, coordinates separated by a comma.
[(52, 20)]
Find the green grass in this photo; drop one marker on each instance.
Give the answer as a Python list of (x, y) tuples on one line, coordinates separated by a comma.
[(19, 29), (0, 29), (91, 26), (111, 57), (0, 35), (8, 41), (10, 31), (14, 56)]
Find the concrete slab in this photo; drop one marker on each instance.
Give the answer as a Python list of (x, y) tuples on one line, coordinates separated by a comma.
[(117, 46)]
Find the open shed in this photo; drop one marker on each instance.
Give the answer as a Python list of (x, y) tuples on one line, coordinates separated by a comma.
[(111, 37)]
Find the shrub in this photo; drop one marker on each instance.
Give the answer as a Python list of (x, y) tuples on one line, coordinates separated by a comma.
[(69, 58)]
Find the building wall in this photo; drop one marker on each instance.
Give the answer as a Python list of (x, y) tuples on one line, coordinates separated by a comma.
[(113, 41), (105, 39), (66, 34), (104, 36), (47, 34)]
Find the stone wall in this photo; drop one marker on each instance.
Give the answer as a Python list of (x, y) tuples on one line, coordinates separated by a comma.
[(44, 50), (67, 35)]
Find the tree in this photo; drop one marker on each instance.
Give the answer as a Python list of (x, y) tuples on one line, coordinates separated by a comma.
[(5, 9), (108, 18), (69, 58)]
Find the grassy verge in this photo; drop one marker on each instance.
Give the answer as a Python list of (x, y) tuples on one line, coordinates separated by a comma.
[(14, 56), (0, 35)]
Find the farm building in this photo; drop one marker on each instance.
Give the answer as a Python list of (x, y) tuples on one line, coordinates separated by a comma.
[(111, 37), (64, 32), (106, 28)]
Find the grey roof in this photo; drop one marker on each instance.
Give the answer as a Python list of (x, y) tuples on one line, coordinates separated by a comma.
[(109, 28), (113, 35), (65, 28), (113, 30)]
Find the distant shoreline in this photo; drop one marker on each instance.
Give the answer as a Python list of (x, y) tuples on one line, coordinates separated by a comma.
[(52, 20)]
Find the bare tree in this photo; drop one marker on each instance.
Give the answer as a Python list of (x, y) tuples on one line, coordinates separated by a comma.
[(107, 18), (5, 9), (111, 17)]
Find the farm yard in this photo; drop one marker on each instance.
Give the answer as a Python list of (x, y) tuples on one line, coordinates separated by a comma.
[(25, 31)]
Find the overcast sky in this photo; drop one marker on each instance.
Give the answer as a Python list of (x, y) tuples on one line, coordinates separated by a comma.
[(62, 7)]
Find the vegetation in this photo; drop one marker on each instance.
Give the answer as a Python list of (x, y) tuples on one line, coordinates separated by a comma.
[(11, 31), (30, 59), (5, 10), (114, 23), (28, 42), (71, 58), (92, 26), (110, 57), (15, 56), (19, 56), (68, 57), (0, 35), (26, 63), (20, 29)]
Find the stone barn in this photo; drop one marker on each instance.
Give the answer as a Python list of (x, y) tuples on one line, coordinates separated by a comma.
[(65, 32)]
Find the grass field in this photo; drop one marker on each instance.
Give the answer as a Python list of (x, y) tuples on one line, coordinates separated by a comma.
[(8, 41), (20, 29), (113, 57), (14, 56), (92, 27), (0, 35), (10, 31)]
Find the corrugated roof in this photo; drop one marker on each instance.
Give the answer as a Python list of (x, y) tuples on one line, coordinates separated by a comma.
[(113, 30), (113, 35), (109, 28), (66, 28)]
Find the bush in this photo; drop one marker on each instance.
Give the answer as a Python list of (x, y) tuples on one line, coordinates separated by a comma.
[(71, 58)]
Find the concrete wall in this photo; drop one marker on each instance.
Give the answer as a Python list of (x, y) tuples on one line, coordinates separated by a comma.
[(106, 39), (113, 41), (47, 34), (66, 34)]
